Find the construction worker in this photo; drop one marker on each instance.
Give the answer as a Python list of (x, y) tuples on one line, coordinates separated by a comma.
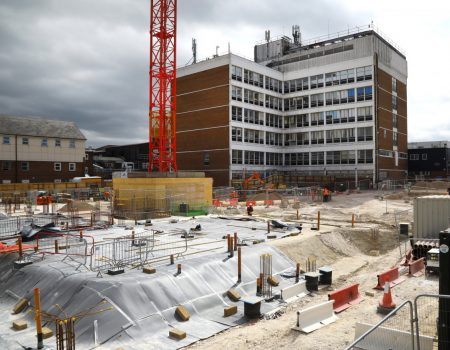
[(325, 194), (249, 210)]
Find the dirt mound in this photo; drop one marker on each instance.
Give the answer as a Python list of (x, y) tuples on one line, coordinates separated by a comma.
[(327, 248), (367, 240), (76, 206)]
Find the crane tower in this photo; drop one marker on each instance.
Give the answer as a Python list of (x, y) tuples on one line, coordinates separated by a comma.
[(162, 96)]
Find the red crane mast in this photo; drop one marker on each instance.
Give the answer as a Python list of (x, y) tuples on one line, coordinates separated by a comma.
[(162, 96)]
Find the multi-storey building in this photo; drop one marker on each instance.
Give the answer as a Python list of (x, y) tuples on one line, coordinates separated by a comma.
[(429, 159), (40, 150), (332, 107)]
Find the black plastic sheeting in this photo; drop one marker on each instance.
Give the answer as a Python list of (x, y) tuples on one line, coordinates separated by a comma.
[(144, 305)]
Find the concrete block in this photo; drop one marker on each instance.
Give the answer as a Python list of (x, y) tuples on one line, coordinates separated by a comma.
[(149, 270), (20, 306), (233, 294), (46, 333), (19, 325), (177, 333), (182, 312), (273, 281), (230, 310)]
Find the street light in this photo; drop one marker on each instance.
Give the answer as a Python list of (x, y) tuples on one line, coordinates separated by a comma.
[(356, 178)]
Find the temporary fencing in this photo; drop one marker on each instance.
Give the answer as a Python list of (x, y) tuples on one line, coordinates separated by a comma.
[(13, 225), (129, 252), (345, 297), (432, 320), (395, 331)]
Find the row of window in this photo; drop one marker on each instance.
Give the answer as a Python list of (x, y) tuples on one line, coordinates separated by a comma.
[(302, 158), (302, 138), (7, 140), (416, 156), (25, 166), (303, 102), (304, 120), (301, 84)]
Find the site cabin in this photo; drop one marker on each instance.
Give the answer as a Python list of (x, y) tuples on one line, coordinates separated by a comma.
[(433, 261)]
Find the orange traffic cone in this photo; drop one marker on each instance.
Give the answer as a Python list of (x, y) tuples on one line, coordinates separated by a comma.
[(386, 304)]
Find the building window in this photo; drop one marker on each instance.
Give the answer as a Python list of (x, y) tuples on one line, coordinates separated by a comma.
[(44, 142), (394, 102), (364, 114), (236, 73), (25, 141), (6, 165), (413, 156), (273, 120), (365, 134), (254, 158), (205, 158), (57, 166), (365, 156), (253, 136), (236, 134), (316, 81), (424, 156), (57, 143), (364, 93), (6, 140), (364, 73), (236, 113), (317, 158), (253, 78), (25, 166), (236, 93), (394, 139), (236, 156), (72, 143), (72, 166), (394, 85), (394, 120), (253, 117), (274, 158)]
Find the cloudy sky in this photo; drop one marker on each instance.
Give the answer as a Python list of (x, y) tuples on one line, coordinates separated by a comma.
[(87, 60)]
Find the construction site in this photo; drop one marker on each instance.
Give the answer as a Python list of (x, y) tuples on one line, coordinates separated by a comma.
[(334, 249)]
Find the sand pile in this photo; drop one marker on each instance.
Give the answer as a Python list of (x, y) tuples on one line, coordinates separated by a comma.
[(263, 196), (440, 185)]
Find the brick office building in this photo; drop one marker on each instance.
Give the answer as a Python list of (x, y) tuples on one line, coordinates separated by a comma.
[(329, 107), (40, 150)]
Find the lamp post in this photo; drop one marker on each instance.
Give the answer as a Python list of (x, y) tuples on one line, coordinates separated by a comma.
[(356, 178)]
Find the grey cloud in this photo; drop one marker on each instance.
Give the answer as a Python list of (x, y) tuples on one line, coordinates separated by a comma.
[(87, 61)]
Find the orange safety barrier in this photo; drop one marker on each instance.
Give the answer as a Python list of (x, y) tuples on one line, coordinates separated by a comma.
[(391, 276), (4, 248), (253, 203), (268, 202), (415, 267), (345, 297), (233, 201)]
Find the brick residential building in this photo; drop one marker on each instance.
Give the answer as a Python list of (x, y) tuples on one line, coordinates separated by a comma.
[(40, 150), (335, 107)]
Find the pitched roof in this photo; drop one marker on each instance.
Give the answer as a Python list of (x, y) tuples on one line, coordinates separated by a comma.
[(33, 126)]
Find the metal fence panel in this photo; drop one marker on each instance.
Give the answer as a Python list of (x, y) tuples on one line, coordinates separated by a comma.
[(395, 331), (432, 320)]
